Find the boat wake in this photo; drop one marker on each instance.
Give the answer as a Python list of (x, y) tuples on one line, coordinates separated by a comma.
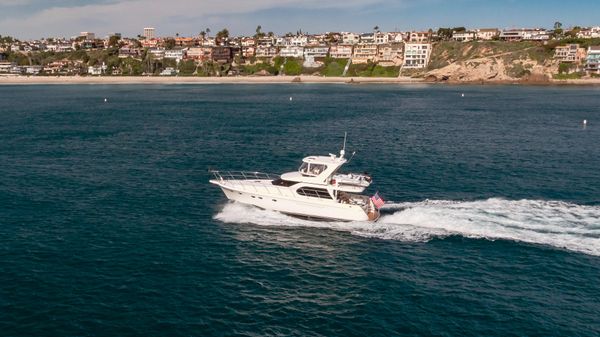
[(553, 223)]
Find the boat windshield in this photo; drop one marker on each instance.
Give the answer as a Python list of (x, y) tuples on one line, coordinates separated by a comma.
[(314, 170)]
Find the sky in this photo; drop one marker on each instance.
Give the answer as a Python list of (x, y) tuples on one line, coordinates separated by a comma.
[(27, 19)]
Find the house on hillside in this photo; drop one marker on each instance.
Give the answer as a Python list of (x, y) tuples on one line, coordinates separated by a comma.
[(364, 53), (570, 53), (292, 51), (391, 54), (416, 55), (350, 38), (487, 34), (464, 36), (340, 51), (419, 37), (592, 61)]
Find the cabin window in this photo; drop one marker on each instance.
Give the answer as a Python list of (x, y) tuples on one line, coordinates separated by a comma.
[(314, 192), (281, 182), (312, 169)]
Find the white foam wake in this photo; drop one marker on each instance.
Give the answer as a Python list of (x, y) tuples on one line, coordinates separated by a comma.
[(554, 223)]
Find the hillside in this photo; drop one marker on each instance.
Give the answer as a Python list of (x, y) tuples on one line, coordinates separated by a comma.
[(491, 61)]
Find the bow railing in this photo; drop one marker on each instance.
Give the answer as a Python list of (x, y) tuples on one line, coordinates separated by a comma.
[(242, 175)]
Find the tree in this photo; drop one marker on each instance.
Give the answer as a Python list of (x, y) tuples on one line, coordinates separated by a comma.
[(376, 28), (202, 35), (259, 32), (169, 43), (176, 34), (113, 41), (557, 25), (222, 36), (207, 31)]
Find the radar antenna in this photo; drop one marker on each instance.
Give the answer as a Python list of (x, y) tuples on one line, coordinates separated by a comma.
[(343, 150)]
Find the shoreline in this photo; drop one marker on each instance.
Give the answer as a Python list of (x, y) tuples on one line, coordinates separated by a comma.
[(307, 79), (16, 80)]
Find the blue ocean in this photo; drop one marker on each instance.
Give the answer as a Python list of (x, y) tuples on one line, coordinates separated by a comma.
[(109, 226)]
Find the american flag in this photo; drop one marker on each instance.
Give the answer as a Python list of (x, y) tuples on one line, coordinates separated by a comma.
[(377, 201)]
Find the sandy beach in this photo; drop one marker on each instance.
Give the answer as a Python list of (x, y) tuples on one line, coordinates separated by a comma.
[(12, 80)]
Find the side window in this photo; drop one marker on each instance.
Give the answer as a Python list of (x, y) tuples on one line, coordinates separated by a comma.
[(314, 192)]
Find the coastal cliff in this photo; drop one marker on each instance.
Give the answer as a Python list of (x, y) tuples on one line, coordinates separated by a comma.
[(491, 61)]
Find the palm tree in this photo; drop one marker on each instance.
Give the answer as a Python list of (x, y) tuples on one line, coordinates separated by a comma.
[(376, 28), (207, 31)]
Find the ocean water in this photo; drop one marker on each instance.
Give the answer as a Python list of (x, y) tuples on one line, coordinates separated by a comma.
[(109, 227)]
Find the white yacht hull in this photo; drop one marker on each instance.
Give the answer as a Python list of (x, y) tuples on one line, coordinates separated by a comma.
[(283, 200)]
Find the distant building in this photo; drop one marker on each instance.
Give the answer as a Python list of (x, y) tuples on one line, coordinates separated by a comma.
[(340, 51), (350, 38), (149, 33), (175, 54), (416, 55), (248, 51), (266, 52), (364, 52), (464, 36), (316, 51), (419, 37), (168, 71), (292, 51), (381, 38), (88, 36), (222, 54), (570, 53), (487, 34), (367, 38), (516, 35), (589, 33), (128, 51), (200, 53), (157, 53), (592, 61), (391, 54)]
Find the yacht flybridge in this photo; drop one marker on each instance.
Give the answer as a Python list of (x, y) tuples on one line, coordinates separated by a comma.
[(315, 191)]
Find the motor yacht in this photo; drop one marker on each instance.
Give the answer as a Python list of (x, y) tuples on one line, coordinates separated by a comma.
[(316, 191)]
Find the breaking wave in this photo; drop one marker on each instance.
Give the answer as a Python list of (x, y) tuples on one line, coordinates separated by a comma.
[(553, 223)]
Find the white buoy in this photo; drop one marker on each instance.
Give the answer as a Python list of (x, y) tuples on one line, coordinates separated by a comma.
[(462, 95), (291, 98), (105, 100), (585, 122)]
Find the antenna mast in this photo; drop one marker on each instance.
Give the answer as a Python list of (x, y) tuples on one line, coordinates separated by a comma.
[(343, 151)]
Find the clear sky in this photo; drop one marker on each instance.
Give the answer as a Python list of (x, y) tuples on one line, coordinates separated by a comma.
[(41, 18)]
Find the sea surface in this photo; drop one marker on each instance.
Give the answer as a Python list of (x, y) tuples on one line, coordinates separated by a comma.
[(109, 227)]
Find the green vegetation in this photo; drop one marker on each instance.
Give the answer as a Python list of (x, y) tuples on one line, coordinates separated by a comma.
[(572, 76), (518, 70), (334, 67), (370, 69), (292, 67)]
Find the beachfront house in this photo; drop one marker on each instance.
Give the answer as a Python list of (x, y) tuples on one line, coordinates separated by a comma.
[(570, 53), (222, 54), (340, 51), (316, 51), (266, 52), (248, 51), (364, 52), (201, 54), (390, 54), (367, 38), (177, 54), (416, 55), (592, 61), (292, 51)]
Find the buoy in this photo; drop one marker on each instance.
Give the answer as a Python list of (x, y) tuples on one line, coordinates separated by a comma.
[(291, 98), (105, 100), (585, 122), (462, 95)]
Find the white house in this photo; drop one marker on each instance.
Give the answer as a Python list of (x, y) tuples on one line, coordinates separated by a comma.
[(464, 36), (381, 38), (487, 34), (316, 51), (292, 51), (350, 38), (416, 55), (175, 54)]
